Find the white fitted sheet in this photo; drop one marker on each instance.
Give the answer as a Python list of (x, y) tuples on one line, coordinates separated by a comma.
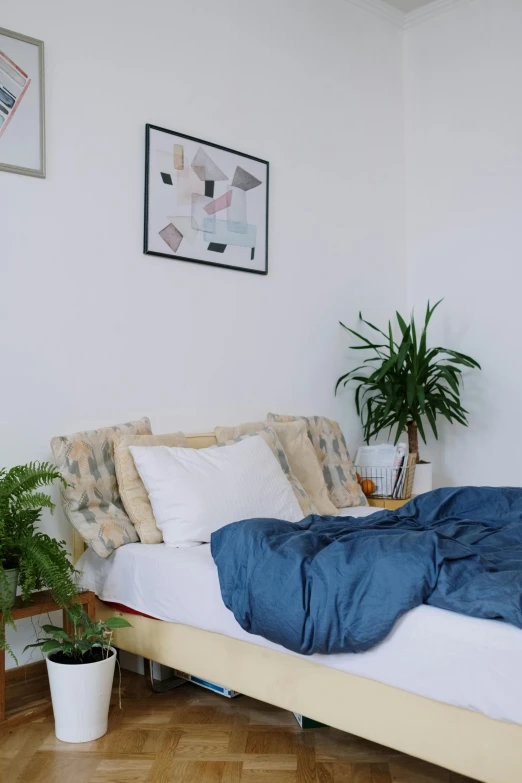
[(448, 657)]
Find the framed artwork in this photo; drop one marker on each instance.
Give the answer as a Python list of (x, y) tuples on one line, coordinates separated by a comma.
[(205, 203), (22, 104)]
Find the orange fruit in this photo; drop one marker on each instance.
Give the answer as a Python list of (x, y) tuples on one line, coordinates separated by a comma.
[(358, 478), (368, 487)]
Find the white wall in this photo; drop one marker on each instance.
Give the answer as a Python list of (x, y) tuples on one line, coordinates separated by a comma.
[(93, 332), (464, 185)]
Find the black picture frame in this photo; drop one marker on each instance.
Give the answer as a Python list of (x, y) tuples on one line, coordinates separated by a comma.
[(146, 244)]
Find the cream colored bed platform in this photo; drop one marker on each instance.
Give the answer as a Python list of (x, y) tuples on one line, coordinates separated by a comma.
[(458, 739)]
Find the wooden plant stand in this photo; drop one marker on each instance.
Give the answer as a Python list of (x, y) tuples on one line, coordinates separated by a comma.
[(41, 603)]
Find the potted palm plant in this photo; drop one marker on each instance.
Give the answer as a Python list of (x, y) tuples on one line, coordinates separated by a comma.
[(27, 556), (404, 384), (80, 665)]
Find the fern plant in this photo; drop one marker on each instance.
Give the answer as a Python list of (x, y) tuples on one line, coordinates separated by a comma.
[(41, 560), (403, 384)]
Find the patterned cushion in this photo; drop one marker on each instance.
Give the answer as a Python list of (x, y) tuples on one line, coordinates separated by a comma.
[(270, 437), (132, 490), (92, 502), (229, 433), (332, 452), (300, 454)]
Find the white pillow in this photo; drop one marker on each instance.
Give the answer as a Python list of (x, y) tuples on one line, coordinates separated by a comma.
[(194, 492)]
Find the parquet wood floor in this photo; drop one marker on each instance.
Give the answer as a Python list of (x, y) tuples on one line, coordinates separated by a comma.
[(194, 736)]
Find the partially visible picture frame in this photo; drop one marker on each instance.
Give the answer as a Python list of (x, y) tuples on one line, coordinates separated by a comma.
[(22, 104), (205, 203)]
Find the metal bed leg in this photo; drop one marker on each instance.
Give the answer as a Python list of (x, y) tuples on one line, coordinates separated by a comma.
[(161, 686)]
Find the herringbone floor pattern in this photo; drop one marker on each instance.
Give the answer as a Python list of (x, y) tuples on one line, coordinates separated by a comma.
[(193, 736)]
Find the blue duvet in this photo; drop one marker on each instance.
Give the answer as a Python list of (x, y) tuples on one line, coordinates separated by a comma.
[(338, 584)]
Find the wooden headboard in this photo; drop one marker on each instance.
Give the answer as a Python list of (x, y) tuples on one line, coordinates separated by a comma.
[(196, 441)]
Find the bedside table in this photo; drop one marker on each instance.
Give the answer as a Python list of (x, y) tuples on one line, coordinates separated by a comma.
[(389, 503)]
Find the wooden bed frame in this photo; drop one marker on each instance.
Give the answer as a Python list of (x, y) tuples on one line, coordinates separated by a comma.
[(461, 740)]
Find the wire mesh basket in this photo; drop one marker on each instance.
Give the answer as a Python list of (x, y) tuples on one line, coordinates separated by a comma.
[(388, 482)]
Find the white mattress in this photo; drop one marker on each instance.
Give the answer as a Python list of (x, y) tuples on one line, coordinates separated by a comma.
[(444, 656)]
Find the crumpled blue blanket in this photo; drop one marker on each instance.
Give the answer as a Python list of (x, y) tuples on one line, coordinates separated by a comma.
[(339, 584)]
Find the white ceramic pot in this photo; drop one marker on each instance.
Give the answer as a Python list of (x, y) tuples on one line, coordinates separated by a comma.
[(423, 480), (81, 695)]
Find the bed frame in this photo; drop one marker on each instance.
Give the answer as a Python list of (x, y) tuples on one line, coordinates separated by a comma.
[(461, 740)]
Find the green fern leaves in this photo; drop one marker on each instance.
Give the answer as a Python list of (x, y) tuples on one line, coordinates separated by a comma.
[(42, 561)]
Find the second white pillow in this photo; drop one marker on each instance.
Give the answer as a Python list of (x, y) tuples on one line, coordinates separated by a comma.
[(194, 492)]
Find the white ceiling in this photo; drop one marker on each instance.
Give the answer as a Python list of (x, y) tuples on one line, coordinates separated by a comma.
[(408, 5)]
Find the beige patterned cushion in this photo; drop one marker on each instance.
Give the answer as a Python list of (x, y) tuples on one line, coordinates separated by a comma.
[(229, 433), (270, 437), (132, 490), (300, 454), (332, 452), (92, 502)]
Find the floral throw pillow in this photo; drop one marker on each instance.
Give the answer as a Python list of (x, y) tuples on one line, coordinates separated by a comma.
[(332, 453), (92, 502)]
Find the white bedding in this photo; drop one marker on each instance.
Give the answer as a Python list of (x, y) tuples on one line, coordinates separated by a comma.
[(448, 657)]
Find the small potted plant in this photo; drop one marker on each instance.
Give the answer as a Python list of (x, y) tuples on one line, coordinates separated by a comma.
[(80, 665), (27, 556), (402, 384)]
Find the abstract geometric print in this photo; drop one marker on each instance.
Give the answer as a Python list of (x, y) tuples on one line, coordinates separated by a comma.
[(13, 86), (205, 203)]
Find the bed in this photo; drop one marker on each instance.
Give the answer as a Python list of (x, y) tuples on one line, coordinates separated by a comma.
[(442, 687)]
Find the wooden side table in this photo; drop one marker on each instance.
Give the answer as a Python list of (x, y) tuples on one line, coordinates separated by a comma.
[(41, 603), (390, 503)]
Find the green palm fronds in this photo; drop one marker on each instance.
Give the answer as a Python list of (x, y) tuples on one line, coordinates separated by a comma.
[(405, 384)]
